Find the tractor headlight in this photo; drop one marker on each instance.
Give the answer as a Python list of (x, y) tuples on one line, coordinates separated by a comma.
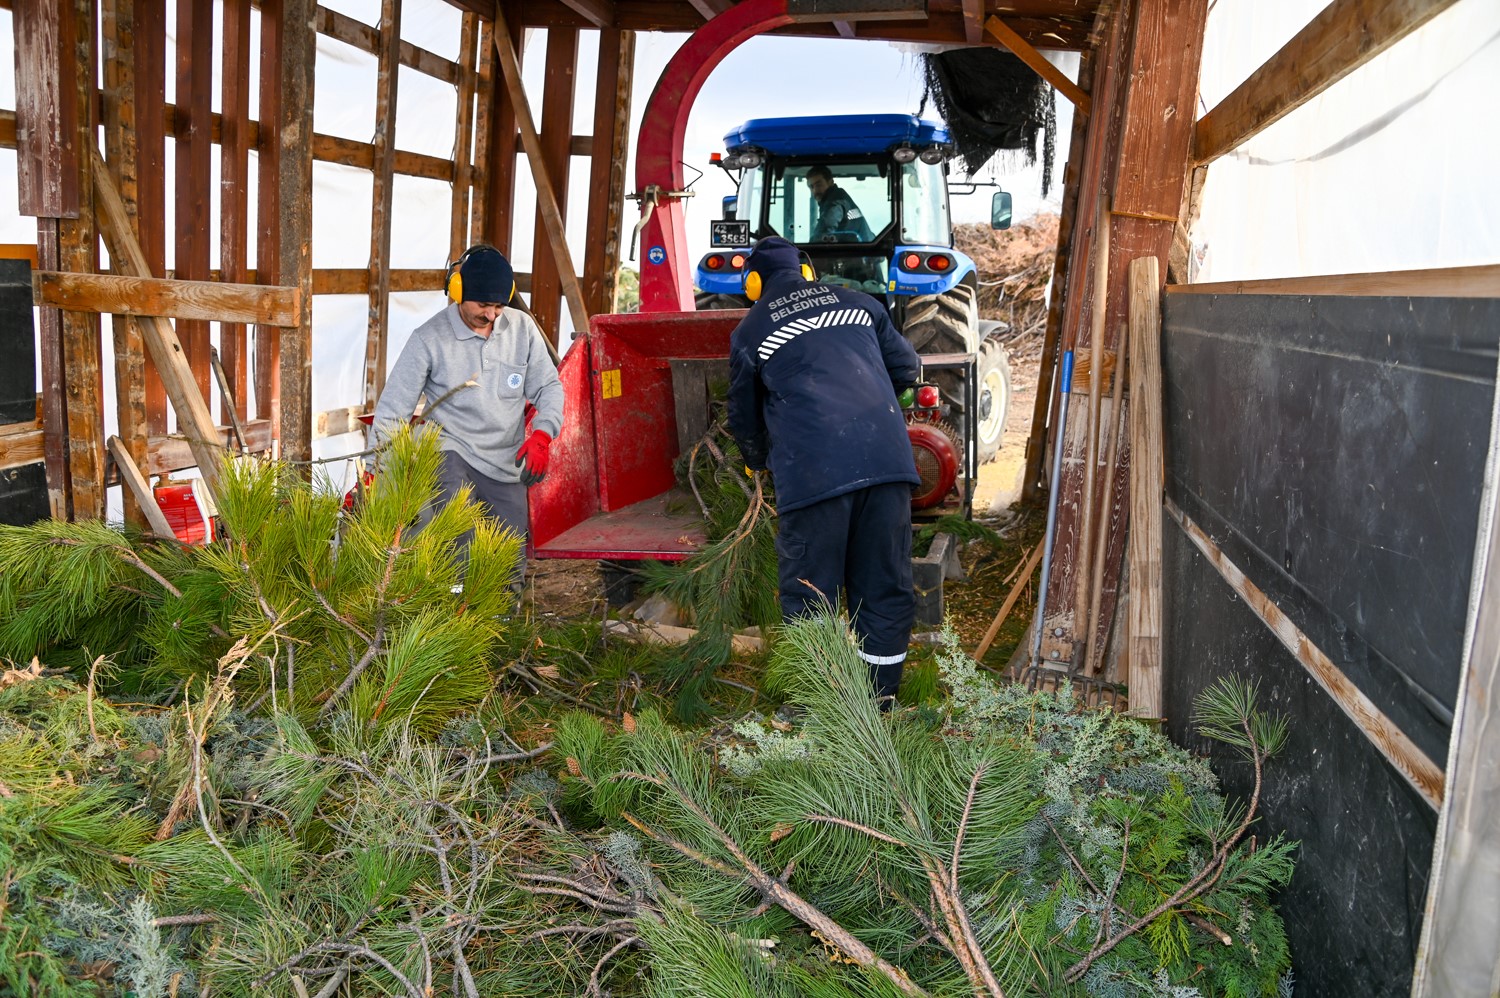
[(932, 155), (903, 154), (750, 160)]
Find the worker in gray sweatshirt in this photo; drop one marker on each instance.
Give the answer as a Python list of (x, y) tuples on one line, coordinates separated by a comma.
[(479, 362)]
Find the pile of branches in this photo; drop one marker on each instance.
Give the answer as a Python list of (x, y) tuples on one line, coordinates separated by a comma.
[(294, 762), (1015, 268)]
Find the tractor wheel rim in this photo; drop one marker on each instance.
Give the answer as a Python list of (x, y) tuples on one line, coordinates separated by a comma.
[(991, 415)]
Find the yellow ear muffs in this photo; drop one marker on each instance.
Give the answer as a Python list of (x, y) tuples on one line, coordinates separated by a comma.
[(807, 273), (455, 285), (753, 286)]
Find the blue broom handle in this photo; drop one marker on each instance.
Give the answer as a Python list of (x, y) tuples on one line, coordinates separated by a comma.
[(1064, 387)]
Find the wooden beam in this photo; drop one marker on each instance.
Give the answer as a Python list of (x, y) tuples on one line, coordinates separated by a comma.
[(500, 161), (21, 444), (600, 13), (357, 282), (379, 284), (194, 170), (151, 176), (361, 36), (120, 145), (1143, 622), (138, 488), (1439, 282), (546, 200), (1023, 50), (845, 29), (710, 9), (202, 300), (558, 91), (973, 21), (234, 207), (1344, 36), (485, 112), (463, 169), (161, 339), (46, 109), (293, 130), (1421, 773), (78, 251), (601, 254), (170, 453)]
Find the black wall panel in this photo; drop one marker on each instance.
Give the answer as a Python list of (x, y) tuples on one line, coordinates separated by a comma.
[(17, 344), (1334, 448)]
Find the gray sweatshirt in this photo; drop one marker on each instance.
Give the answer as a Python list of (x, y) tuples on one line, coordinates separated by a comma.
[(483, 423)]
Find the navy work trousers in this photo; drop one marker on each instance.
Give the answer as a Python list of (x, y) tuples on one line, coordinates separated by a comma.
[(857, 545)]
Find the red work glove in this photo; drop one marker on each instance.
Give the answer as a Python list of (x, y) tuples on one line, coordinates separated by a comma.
[(532, 457)]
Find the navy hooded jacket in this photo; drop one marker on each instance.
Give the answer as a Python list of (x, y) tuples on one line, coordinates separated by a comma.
[(813, 375)]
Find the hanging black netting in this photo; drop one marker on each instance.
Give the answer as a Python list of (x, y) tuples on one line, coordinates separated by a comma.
[(991, 101)]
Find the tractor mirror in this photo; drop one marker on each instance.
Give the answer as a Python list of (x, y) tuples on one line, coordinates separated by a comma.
[(731, 205), (1000, 210)]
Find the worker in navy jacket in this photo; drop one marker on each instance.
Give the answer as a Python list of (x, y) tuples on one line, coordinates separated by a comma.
[(814, 371)]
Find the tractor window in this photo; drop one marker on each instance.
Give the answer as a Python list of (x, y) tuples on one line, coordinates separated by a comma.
[(850, 203), (752, 194), (924, 204)]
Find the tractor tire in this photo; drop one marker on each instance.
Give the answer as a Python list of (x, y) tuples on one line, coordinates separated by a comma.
[(705, 302), (994, 397), (945, 323)]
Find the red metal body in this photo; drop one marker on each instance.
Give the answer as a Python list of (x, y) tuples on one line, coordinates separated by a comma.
[(936, 450), (609, 491), (666, 270)]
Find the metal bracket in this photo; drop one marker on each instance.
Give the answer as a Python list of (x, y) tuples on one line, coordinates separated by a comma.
[(649, 199)]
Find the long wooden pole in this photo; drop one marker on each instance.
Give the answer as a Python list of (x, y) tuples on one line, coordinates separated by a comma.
[(193, 415), (1082, 624), (546, 197), (1010, 601), (1143, 620), (1111, 462)]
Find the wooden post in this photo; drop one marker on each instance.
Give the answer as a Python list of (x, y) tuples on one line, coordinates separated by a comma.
[(504, 142), (601, 255), (1111, 467), (387, 75), (139, 489), (292, 129), (485, 113), (194, 419), (120, 143), (1087, 527), (151, 175), (234, 208), (556, 141), (194, 158), (78, 252), (463, 170), (546, 202), (1143, 621)]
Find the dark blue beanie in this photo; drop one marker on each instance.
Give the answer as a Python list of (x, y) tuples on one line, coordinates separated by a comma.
[(487, 276), (772, 255)]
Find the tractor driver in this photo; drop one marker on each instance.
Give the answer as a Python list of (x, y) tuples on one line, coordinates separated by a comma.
[(839, 219), (479, 362), (814, 371)]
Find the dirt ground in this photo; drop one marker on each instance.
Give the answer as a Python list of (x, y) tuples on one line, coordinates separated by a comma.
[(1014, 268)]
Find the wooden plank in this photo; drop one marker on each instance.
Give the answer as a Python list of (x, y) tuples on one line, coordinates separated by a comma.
[(1092, 412), (367, 39), (201, 300), (379, 283), (21, 444), (194, 170), (504, 139), (234, 207), (138, 488), (463, 168), (1459, 951), (1421, 773), (558, 91), (845, 29), (1344, 36), (78, 250), (54, 396), (1023, 50), (1159, 107), (484, 113), (973, 11), (600, 13), (1438, 282), (170, 453), (335, 422), (46, 109), (191, 406), (268, 268), (1143, 620), (710, 9), (350, 152), (601, 253), (546, 200), (151, 177), (357, 282), (120, 145), (298, 43)]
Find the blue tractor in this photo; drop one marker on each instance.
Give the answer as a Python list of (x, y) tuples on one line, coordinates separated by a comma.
[(866, 197)]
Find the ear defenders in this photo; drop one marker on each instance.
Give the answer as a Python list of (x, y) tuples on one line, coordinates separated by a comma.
[(754, 287), (453, 283)]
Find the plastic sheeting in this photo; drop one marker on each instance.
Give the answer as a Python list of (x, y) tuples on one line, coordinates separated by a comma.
[(1391, 168)]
